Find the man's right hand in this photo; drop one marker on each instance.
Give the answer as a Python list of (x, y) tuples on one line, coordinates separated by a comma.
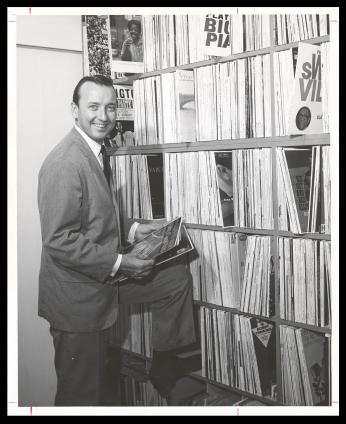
[(134, 267), (128, 42)]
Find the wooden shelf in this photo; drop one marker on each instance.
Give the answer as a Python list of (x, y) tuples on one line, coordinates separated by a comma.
[(317, 40), (313, 236), (324, 330), (254, 231), (233, 310), (266, 400), (198, 376), (229, 144), (273, 319), (230, 229), (268, 232)]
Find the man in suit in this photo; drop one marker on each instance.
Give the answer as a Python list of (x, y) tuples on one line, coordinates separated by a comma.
[(81, 256)]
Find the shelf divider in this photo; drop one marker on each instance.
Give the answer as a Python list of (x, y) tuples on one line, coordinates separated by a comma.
[(228, 144)]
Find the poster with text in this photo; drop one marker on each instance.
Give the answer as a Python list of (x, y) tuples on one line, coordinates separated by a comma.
[(306, 103), (123, 131), (216, 35)]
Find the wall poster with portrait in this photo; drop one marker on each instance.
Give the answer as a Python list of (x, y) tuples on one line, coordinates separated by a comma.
[(123, 131), (112, 45), (126, 45)]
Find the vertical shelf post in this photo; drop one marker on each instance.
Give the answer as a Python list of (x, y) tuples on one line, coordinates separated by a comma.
[(275, 216)]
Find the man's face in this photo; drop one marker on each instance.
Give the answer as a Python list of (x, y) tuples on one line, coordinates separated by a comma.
[(303, 118), (224, 173), (303, 121), (96, 112), (134, 32)]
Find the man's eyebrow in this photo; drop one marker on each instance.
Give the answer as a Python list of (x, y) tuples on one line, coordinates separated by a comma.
[(98, 103)]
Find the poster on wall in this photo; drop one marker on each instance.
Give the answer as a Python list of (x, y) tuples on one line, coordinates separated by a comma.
[(123, 132), (306, 103), (112, 45), (126, 45), (96, 45), (216, 35)]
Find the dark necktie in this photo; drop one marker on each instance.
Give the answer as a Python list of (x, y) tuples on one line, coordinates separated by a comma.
[(106, 164)]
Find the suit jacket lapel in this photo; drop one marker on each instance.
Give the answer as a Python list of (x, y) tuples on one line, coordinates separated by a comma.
[(115, 204), (93, 163), (98, 174)]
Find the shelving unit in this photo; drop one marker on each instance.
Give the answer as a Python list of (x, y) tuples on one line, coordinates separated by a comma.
[(267, 50), (273, 143), (198, 376)]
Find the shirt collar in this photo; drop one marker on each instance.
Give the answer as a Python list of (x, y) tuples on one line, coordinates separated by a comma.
[(94, 145)]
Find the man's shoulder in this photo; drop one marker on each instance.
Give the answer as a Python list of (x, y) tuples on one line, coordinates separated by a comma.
[(65, 153)]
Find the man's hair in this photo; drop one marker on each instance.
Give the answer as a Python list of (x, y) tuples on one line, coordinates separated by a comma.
[(97, 79), (134, 22), (223, 159)]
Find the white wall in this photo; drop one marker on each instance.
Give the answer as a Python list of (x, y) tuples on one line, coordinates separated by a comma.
[(63, 32), (45, 82)]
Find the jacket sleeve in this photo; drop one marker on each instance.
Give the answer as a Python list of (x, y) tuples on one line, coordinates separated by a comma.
[(127, 224), (60, 201)]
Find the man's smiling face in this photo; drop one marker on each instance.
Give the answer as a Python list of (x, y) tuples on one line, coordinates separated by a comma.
[(134, 32), (95, 113)]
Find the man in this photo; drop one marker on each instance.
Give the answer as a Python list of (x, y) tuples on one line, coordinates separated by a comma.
[(81, 256), (132, 49)]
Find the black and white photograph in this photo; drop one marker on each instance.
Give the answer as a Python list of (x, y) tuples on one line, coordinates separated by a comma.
[(173, 190), (127, 44)]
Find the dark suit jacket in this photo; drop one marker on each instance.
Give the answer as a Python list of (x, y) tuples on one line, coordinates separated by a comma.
[(80, 239)]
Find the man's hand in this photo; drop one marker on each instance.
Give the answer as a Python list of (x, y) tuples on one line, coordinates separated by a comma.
[(145, 229), (128, 41), (133, 266)]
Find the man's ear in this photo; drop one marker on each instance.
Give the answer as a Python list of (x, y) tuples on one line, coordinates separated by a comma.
[(74, 110)]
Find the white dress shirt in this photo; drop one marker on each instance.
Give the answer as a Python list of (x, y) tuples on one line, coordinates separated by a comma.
[(96, 149)]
